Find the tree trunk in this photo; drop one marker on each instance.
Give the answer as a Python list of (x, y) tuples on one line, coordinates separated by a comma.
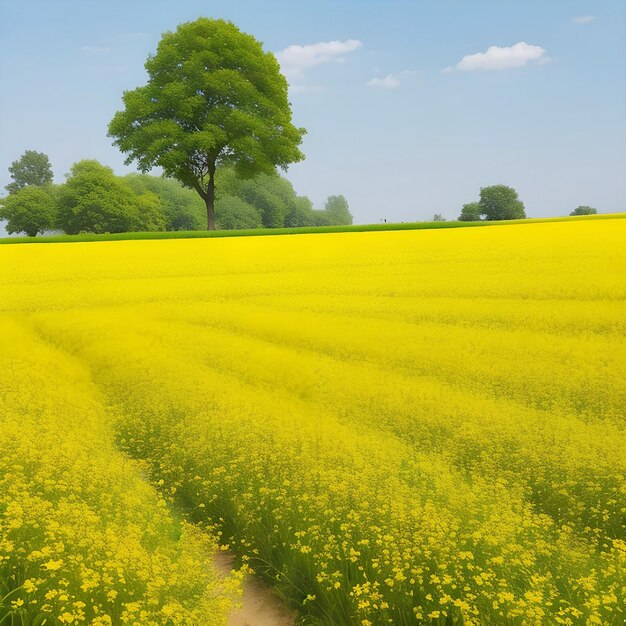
[(210, 201)]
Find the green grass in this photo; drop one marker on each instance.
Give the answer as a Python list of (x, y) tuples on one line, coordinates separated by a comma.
[(357, 228)]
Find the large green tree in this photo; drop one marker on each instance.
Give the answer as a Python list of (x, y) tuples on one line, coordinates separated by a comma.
[(213, 97), (31, 169), (29, 210), (500, 202)]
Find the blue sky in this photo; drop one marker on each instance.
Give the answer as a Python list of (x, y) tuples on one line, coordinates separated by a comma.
[(410, 106)]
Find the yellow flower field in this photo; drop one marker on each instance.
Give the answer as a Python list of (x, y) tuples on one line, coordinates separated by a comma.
[(413, 427)]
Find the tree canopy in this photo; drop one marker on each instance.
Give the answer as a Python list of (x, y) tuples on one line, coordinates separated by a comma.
[(29, 210), (497, 202), (237, 214), (31, 169), (213, 98), (94, 200), (584, 210), (500, 202), (471, 212), (337, 212), (276, 202), (182, 208)]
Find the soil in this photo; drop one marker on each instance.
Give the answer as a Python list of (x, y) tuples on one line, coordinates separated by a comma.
[(260, 607)]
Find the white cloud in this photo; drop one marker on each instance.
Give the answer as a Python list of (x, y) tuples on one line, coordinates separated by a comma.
[(391, 81), (295, 60), (583, 19), (497, 58)]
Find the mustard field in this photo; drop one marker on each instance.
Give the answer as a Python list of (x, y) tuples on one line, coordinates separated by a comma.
[(415, 427)]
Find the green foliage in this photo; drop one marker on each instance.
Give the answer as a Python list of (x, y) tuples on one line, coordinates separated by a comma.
[(31, 169), (270, 194), (337, 211), (301, 213), (182, 208), (150, 212), (213, 97), (276, 202), (470, 212), (29, 210), (437, 217), (236, 214), (497, 202), (94, 200), (500, 202), (584, 210), (261, 232)]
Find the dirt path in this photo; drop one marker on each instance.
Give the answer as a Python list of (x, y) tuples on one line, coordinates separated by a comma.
[(260, 607)]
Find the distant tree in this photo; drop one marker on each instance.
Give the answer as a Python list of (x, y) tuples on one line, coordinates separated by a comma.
[(31, 169), (149, 209), (182, 208), (320, 218), (471, 212), (500, 202), (213, 98), (271, 195), (584, 210), (29, 210), (437, 217), (236, 214), (301, 213), (94, 200), (337, 211)]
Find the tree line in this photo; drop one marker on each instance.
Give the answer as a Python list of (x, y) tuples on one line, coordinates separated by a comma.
[(215, 108), (95, 200), (500, 202)]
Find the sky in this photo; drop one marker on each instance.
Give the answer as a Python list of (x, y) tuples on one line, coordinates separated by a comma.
[(410, 107)]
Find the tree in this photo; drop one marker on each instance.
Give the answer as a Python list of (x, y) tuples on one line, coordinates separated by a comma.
[(437, 217), (271, 195), (337, 211), (213, 97), (29, 210), (268, 193), (94, 200), (584, 210), (500, 202), (31, 169), (149, 213), (301, 213), (236, 214), (471, 212), (182, 208)]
